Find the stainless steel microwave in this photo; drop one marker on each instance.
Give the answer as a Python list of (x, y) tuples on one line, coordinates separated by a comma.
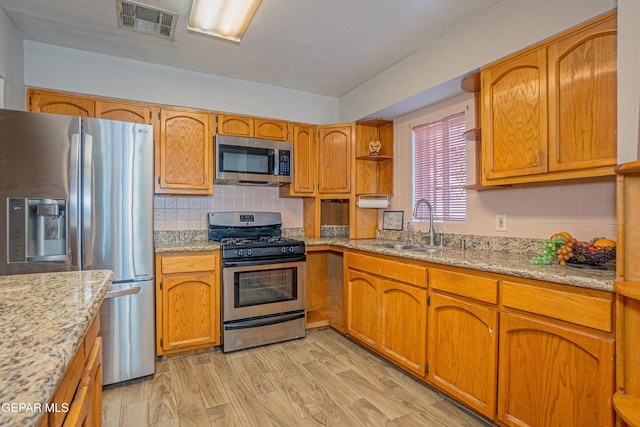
[(252, 161)]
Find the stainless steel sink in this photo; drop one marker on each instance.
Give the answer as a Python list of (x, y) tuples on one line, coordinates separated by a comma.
[(407, 247)]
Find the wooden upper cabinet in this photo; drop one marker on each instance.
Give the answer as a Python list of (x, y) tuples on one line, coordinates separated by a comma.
[(303, 139), (582, 98), (229, 124), (59, 103), (184, 157), (550, 375), (270, 129), (549, 112), (334, 154), (124, 111), (514, 116), (251, 127)]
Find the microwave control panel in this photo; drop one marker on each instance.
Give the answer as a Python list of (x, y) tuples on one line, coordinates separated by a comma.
[(284, 167)]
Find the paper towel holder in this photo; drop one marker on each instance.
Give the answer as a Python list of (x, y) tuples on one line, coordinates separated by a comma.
[(381, 202)]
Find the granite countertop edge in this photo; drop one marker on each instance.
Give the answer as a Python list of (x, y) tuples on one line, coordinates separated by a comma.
[(45, 319), (511, 264)]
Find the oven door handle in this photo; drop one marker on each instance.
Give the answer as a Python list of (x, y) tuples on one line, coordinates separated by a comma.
[(263, 322), (272, 261)]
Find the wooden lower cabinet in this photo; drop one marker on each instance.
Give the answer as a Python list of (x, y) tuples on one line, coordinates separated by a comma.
[(386, 314), (187, 301), (403, 325), (463, 351), (552, 375)]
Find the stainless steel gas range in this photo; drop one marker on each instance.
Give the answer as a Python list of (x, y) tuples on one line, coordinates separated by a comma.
[(263, 279)]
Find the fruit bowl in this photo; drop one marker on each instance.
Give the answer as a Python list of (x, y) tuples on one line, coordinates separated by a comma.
[(592, 255)]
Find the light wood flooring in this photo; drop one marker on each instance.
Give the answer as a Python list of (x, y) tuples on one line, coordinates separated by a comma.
[(323, 379)]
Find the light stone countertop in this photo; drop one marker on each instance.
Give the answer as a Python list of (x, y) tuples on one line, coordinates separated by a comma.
[(43, 320), (512, 264), (493, 261)]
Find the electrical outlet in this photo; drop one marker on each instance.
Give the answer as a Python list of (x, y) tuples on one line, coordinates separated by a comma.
[(501, 222)]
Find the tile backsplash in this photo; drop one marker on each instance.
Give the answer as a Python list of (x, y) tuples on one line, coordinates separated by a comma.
[(190, 212)]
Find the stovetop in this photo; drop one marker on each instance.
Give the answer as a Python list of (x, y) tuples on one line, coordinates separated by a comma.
[(252, 235)]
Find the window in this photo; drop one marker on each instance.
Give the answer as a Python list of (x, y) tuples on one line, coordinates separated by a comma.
[(439, 168)]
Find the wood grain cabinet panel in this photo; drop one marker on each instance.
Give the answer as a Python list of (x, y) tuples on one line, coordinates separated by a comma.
[(270, 129), (514, 117), (304, 180), (553, 376), (463, 351), (43, 101), (334, 151), (124, 111), (187, 301), (363, 307), (184, 157), (582, 98), (230, 124), (403, 325)]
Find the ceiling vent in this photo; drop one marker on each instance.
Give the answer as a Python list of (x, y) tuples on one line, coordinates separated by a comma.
[(146, 19)]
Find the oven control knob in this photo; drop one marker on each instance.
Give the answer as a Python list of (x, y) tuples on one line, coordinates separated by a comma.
[(249, 252), (240, 252), (291, 249), (283, 250)]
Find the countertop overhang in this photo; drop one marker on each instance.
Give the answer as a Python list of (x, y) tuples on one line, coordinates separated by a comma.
[(43, 320)]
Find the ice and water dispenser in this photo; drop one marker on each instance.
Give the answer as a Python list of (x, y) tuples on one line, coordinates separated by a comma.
[(37, 230)]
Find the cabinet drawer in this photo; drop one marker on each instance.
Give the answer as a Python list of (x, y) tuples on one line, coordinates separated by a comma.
[(465, 285), (586, 310), (395, 270), (187, 263)]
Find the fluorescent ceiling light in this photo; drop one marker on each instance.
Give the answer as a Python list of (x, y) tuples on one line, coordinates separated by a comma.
[(227, 19)]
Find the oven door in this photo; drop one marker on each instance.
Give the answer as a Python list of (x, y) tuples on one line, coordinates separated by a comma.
[(257, 290)]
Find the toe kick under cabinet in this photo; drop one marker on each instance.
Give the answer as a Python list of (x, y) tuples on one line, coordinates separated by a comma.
[(187, 301)]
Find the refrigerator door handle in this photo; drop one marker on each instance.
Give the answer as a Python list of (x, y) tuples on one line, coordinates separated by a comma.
[(87, 213), (115, 294), (74, 220)]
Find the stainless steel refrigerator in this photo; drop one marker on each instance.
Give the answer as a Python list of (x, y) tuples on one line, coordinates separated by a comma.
[(77, 194)]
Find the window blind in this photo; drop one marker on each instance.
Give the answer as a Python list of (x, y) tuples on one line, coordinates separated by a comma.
[(439, 168)]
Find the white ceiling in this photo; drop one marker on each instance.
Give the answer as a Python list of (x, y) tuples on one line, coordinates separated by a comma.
[(326, 47)]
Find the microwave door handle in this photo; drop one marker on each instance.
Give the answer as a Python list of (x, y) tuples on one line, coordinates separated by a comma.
[(273, 164)]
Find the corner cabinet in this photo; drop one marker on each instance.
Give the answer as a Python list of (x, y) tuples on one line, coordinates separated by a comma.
[(184, 152), (187, 301), (334, 152), (304, 179), (549, 112), (386, 309)]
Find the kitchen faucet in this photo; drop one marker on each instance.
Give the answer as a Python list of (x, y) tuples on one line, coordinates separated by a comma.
[(415, 213)]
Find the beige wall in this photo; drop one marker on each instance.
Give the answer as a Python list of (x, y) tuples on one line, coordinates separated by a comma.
[(585, 209)]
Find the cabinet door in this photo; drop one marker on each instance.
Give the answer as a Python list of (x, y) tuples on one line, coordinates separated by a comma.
[(235, 125), (514, 116), (403, 325), (363, 307), (334, 151), (185, 159), (270, 129), (59, 103), (582, 98), (553, 376), (463, 351), (304, 160), (124, 112), (189, 317)]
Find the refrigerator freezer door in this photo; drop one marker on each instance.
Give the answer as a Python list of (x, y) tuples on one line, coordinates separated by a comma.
[(127, 329), (37, 156), (117, 198)]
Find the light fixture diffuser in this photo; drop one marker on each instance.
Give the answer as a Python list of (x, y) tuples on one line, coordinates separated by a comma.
[(226, 19)]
